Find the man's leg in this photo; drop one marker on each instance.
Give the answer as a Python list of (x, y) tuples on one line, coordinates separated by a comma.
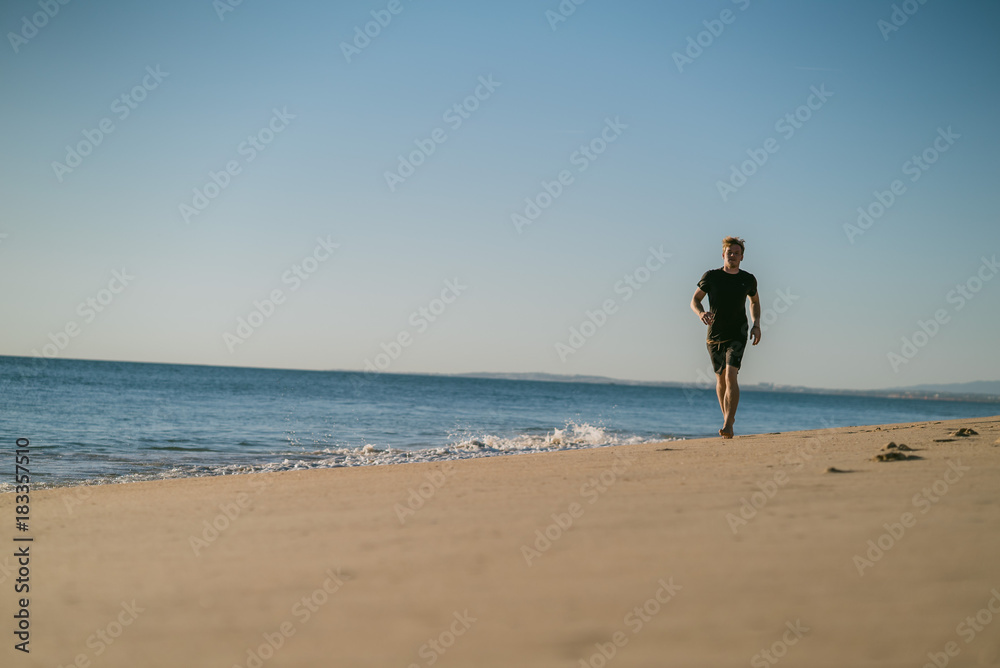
[(718, 354), (731, 400), (725, 361), (720, 391)]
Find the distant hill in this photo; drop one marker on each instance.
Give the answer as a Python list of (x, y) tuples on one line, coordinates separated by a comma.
[(982, 390), (559, 378), (975, 387)]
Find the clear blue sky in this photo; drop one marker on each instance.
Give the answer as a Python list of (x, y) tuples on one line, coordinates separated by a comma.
[(672, 131)]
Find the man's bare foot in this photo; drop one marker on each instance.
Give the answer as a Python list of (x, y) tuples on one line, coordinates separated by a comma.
[(726, 434)]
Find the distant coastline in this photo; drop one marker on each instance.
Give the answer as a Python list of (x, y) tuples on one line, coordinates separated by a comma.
[(937, 393)]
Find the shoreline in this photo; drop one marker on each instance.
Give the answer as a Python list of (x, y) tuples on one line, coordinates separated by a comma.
[(408, 457), (427, 455), (547, 559)]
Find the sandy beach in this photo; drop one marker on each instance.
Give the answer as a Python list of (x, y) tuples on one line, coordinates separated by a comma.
[(685, 553)]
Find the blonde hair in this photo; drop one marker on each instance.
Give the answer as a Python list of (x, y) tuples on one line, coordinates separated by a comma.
[(731, 241)]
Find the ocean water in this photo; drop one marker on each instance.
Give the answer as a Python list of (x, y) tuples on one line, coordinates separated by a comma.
[(105, 422)]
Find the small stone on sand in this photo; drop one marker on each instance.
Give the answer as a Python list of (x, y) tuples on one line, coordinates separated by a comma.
[(893, 457), (891, 445)]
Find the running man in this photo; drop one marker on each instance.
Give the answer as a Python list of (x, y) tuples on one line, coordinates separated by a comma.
[(727, 289)]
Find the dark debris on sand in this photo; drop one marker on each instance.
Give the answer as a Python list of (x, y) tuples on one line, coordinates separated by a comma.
[(893, 456), (964, 432), (902, 446)]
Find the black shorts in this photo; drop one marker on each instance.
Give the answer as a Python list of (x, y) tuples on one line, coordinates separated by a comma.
[(726, 353)]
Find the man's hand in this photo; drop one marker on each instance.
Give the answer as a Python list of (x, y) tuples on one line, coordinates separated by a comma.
[(755, 317), (703, 315)]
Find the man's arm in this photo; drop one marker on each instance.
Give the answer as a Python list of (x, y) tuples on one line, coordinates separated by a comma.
[(699, 311), (755, 316)]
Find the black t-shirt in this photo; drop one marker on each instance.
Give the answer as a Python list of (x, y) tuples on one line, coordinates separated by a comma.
[(727, 296)]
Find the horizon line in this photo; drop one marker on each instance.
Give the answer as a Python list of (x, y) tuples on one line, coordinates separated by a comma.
[(554, 377)]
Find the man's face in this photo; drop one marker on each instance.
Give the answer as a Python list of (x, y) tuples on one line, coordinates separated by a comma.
[(732, 255)]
